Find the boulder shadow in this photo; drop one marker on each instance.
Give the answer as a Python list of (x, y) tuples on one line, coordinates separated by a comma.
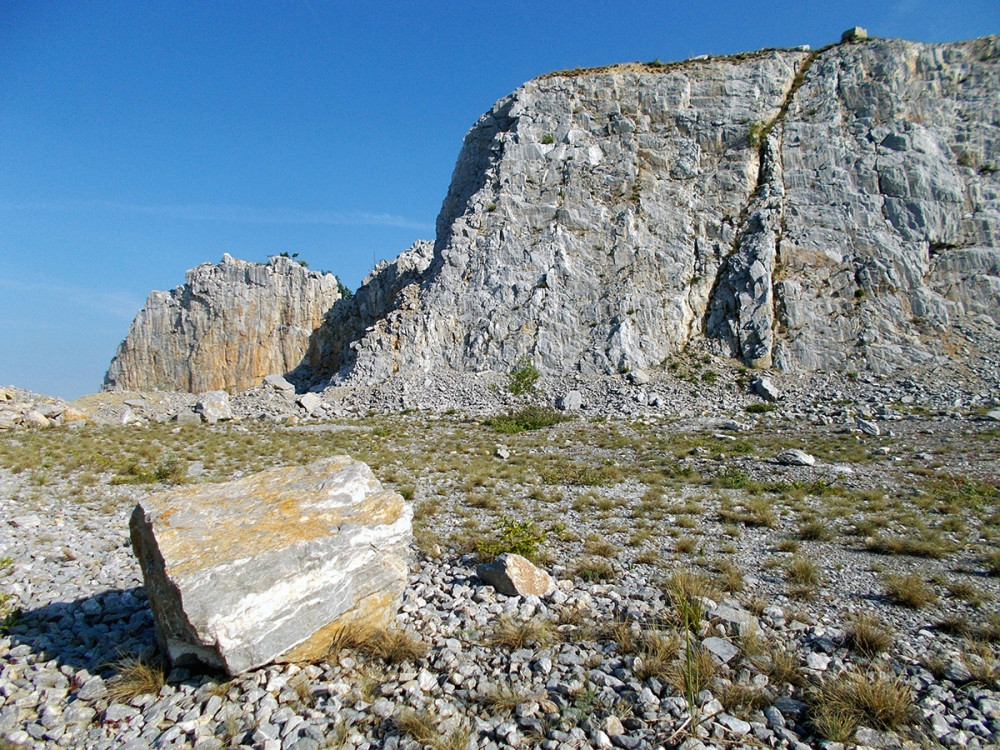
[(90, 633)]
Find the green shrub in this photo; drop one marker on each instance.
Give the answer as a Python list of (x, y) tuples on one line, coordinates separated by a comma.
[(522, 377), (519, 537), (529, 418)]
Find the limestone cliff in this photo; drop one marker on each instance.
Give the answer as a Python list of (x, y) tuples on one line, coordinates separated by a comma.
[(837, 209), (228, 326)]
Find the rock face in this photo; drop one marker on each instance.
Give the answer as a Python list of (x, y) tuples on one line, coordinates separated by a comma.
[(268, 567), (836, 209), (228, 326)]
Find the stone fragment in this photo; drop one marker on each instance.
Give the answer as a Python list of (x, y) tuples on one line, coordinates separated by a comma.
[(268, 567), (502, 452), (869, 737), (214, 407), (795, 457), (130, 417), (854, 34), (34, 418), (514, 575), (570, 401), (310, 401), (279, 384), (764, 388), (187, 417), (720, 648), (639, 377), (868, 427)]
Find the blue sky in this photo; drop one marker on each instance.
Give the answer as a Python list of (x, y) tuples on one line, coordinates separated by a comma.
[(139, 139)]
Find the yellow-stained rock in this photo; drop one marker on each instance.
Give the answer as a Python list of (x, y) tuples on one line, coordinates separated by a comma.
[(268, 567)]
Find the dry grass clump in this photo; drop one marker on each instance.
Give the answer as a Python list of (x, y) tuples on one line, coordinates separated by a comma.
[(992, 563), (929, 544), (505, 698), (391, 645), (741, 700), (516, 635), (814, 530), (803, 572), (593, 569), (422, 727), (869, 636), (967, 593), (854, 699), (909, 591), (686, 589), (692, 673), (657, 651), (135, 676), (780, 666)]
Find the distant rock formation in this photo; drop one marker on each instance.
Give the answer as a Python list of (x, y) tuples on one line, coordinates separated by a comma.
[(228, 326), (836, 209)]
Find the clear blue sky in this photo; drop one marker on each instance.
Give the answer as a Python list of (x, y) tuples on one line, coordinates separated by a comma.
[(139, 139)]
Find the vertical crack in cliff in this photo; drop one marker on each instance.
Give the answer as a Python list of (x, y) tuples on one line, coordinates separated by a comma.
[(744, 302)]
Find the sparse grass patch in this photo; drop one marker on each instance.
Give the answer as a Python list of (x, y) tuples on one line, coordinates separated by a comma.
[(422, 727), (814, 530), (593, 569), (516, 635), (967, 593), (844, 703), (692, 673), (134, 677), (803, 572), (869, 636), (529, 418), (928, 544), (909, 591)]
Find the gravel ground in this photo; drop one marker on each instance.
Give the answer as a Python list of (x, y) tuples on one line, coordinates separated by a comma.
[(684, 482)]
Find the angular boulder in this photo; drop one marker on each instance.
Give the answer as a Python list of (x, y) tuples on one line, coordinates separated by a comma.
[(269, 567), (214, 407), (513, 575)]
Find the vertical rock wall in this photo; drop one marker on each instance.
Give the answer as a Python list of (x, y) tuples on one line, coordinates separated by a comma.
[(227, 327)]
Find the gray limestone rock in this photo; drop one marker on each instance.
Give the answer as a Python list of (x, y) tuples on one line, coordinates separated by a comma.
[(795, 457), (570, 401), (764, 388), (270, 566), (214, 407), (513, 575)]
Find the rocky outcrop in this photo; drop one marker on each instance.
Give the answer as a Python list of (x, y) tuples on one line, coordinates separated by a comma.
[(270, 566), (803, 210), (227, 327), (837, 209)]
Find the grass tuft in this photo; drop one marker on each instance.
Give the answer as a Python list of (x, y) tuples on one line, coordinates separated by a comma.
[(909, 591)]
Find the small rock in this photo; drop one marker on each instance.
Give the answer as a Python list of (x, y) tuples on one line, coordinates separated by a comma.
[(869, 428), (279, 384), (795, 457), (514, 575), (570, 401), (310, 401), (764, 388)]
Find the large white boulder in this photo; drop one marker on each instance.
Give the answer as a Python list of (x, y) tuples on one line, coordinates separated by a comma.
[(268, 567)]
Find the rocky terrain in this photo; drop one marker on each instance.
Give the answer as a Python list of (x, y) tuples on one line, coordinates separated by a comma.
[(714, 343), (708, 594)]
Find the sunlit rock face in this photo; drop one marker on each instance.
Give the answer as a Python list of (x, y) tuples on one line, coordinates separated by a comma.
[(227, 327), (836, 209)]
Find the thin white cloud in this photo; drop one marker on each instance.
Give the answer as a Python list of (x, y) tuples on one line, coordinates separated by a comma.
[(231, 214), (120, 305)]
